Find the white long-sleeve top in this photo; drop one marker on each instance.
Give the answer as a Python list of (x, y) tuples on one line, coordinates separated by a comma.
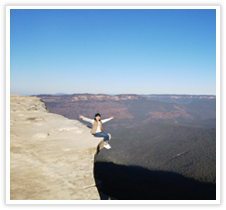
[(98, 126)]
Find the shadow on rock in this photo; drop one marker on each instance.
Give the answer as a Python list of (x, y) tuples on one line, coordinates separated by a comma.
[(137, 183)]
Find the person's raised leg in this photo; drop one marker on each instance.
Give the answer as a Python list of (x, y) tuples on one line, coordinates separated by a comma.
[(104, 135), (106, 139)]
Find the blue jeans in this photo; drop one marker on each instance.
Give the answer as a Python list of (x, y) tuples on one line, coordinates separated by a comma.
[(101, 134)]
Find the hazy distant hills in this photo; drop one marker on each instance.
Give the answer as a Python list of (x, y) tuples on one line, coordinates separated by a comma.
[(182, 99)]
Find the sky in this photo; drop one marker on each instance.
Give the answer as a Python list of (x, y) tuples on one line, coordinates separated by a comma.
[(113, 51)]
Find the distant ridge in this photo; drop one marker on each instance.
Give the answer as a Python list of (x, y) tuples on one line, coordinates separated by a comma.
[(166, 98), (143, 95)]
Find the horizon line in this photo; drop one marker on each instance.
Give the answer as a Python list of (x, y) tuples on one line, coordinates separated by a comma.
[(151, 94)]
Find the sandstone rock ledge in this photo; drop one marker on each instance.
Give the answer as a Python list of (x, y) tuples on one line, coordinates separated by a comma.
[(51, 157)]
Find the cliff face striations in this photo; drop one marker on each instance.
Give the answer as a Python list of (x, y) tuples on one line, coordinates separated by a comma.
[(132, 110), (51, 157)]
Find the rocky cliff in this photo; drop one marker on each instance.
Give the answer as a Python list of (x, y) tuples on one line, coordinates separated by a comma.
[(51, 157)]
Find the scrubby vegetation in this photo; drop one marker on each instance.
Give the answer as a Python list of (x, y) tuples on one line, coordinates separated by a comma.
[(187, 150), (160, 161)]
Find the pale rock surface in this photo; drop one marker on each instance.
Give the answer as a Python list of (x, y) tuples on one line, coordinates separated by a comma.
[(51, 157)]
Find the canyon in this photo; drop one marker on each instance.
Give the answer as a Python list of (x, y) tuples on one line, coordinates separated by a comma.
[(148, 133), (131, 110), (161, 144)]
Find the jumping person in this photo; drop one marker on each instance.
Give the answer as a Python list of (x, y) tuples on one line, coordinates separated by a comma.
[(97, 128)]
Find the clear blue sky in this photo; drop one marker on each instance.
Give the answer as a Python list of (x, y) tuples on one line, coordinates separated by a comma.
[(152, 51)]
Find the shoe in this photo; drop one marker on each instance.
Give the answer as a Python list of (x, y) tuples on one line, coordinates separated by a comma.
[(107, 146)]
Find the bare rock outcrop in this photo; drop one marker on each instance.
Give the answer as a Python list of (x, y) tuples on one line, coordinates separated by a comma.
[(51, 157)]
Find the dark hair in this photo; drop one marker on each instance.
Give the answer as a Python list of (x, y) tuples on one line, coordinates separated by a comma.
[(97, 114)]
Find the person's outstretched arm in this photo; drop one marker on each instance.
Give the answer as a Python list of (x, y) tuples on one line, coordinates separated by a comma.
[(106, 120), (86, 119)]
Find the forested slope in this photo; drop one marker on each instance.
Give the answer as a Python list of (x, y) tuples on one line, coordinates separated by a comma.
[(187, 150)]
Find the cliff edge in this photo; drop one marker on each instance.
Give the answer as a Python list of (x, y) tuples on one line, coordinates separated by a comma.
[(51, 157)]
